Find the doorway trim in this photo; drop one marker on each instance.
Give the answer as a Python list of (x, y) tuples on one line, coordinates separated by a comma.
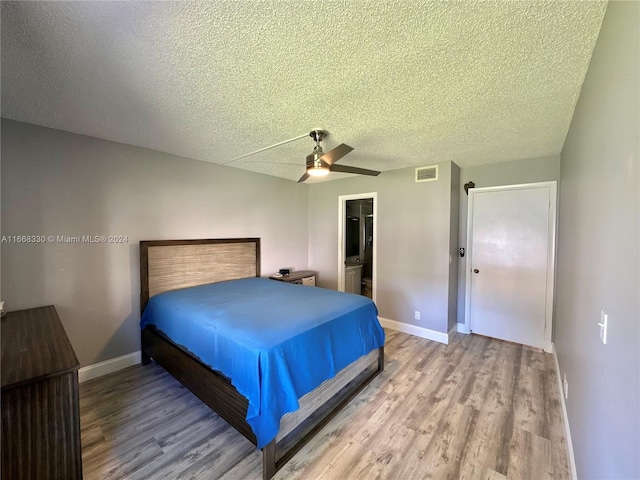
[(342, 215), (551, 255)]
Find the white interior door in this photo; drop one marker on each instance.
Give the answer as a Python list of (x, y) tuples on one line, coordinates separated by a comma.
[(511, 262)]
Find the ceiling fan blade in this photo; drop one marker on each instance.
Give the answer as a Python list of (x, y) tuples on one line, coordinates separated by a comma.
[(303, 177), (359, 171), (336, 154), (278, 163)]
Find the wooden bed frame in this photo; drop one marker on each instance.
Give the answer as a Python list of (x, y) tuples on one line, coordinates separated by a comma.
[(171, 264)]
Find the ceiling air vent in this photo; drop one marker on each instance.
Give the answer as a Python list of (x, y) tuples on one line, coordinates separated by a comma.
[(427, 174)]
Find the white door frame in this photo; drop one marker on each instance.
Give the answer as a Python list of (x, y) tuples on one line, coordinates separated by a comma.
[(342, 215), (551, 256)]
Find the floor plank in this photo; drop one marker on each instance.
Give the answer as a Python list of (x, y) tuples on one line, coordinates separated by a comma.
[(477, 408)]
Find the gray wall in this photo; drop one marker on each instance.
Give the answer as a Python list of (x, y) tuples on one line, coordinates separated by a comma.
[(59, 183), (413, 230), (598, 260), (531, 170)]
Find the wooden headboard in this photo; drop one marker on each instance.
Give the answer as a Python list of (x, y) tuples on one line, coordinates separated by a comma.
[(172, 264)]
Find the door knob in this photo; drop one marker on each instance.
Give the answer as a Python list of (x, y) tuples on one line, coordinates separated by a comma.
[(475, 270)]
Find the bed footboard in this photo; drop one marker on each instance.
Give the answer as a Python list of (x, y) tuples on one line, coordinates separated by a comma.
[(216, 391)]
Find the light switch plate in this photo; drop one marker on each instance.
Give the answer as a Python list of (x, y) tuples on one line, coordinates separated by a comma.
[(604, 324)]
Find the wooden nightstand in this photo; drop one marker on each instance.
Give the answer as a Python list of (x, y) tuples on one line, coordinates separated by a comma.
[(302, 277)]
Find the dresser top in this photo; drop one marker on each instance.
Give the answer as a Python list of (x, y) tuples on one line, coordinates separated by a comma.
[(34, 345), (294, 275)]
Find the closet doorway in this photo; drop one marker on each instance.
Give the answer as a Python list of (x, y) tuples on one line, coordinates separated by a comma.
[(356, 244)]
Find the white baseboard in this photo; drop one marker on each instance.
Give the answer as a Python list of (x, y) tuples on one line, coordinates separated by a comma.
[(415, 330), (462, 328), (453, 331), (571, 460), (108, 366)]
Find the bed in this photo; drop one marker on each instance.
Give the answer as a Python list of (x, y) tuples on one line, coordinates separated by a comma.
[(175, 270)]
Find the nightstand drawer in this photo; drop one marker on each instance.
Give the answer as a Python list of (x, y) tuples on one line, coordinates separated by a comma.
[(311, 281)]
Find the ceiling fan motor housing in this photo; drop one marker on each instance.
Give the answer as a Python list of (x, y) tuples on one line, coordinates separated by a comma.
[(314, 158)]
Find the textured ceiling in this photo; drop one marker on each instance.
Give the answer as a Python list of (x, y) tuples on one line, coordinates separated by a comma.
[(406, 83)]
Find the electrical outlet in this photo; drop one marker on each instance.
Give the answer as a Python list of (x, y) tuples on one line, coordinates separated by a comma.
[(416, 315), (604, 322), (565, 386)]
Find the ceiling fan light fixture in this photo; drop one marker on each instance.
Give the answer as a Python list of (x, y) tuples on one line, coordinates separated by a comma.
[(318, 171)]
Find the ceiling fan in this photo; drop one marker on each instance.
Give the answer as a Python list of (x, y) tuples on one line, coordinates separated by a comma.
[(320, 164)]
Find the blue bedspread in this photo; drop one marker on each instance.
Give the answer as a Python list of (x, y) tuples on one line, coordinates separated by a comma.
[(275, 341)]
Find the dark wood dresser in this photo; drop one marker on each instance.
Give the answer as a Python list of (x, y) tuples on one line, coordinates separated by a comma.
[(40, 436)]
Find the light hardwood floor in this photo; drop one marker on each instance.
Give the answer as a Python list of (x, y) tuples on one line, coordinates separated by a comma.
[(474, 409)]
